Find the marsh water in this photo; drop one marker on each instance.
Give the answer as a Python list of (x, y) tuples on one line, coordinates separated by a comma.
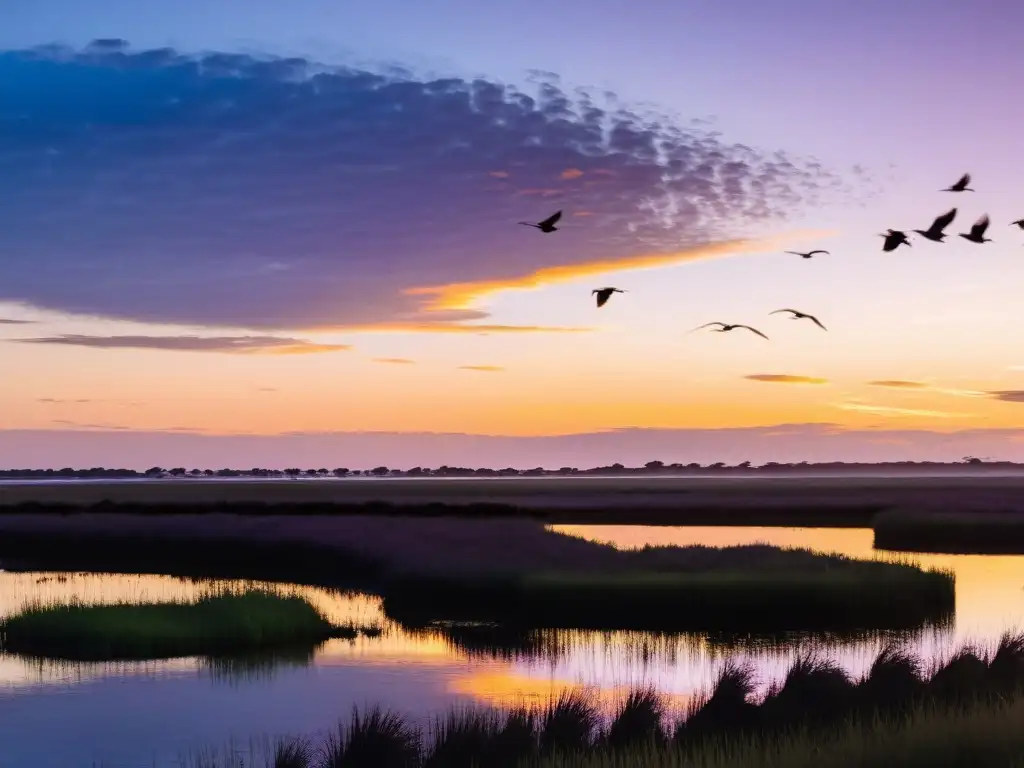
[(126, 715)]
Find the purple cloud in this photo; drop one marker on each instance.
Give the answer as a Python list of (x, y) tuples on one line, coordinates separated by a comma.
[(1008, 395), (224, 190), (273, 345)]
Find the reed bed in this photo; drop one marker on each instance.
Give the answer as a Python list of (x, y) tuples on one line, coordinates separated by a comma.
[(990, 532), (217, 624), (512, 571), (970, 706)]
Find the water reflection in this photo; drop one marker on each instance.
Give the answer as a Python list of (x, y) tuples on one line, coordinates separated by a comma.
[(182, 704)]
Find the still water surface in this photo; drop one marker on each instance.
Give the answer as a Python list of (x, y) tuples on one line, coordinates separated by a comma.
[(143, 714)]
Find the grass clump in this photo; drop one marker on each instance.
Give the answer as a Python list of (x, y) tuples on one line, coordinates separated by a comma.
[(638, 722), (219, 624), (568, 723), (292, 753), (966, 714), (378, 739)]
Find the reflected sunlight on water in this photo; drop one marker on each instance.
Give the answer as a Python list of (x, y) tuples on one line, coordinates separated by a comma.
[(422, 671)]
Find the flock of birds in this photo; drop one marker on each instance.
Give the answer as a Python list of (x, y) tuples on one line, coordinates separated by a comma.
[(893, 239)]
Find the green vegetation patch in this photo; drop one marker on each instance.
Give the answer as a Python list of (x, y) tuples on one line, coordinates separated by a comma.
[(225, 623), (752, 600)]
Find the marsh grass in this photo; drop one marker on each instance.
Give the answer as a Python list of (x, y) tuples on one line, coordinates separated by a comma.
[(816, 716), (217, 624), (292, 752), (639, 722), (951, 532), (379, 739), (753, 600), (511, 571), (569, 723), (986, 736)]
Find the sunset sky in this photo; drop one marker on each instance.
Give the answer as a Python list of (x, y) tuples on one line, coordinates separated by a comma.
[(237, 233)]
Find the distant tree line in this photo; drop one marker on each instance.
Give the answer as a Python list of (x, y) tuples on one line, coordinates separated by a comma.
[(614, 470)]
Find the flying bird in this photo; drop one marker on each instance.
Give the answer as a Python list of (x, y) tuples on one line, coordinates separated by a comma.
[(809, 253), (797, 315), (1018, 223), (548, 225), (894, 238), (603, 294), (934, 232), (727, 327), (977, 233), (960, 186)]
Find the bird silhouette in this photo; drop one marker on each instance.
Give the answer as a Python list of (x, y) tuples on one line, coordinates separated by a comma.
[(548, 225), (798, 315), (934, 232), (894, 238), (1018, 223), (809, 253), (977, 233), (727, 327), (961, 185), (603, 294)]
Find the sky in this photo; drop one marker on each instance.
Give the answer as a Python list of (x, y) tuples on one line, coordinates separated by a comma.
[(239, 234)]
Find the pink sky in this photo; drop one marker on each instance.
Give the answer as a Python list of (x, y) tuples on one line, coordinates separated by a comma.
[(632, 447)]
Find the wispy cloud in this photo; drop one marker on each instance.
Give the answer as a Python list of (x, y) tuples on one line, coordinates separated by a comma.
[(785, 378), (266, 345), (898, 384), (59, 400), (104, 427), (83, 425), (486, 368), (9, 321), (1008, 395), (890, 410), (455, 327), (926, 387), (394, 360)]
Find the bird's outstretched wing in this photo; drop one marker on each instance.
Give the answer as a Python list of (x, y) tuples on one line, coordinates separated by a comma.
[(602, 297), (754, 330), (795, 253), (552, 219), (707, 325), (816, 321), (784, 310), (943, 221), (963, 182), (1018, 223), (980, 226), (819, 251)]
